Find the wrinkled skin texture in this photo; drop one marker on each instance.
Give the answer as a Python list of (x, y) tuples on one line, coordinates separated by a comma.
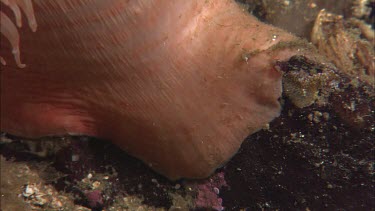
[(175, 83)]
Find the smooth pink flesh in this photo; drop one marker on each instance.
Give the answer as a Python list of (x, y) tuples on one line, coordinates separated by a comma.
[(178, 84)]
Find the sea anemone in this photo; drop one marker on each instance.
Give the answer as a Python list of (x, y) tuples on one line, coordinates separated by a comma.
[(177, 84)]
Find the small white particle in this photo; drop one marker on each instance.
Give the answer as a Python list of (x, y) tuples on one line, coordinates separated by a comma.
[(217, 191), (75, 158)]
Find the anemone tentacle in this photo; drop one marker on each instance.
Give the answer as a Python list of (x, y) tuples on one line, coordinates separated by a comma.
[(9, 30)]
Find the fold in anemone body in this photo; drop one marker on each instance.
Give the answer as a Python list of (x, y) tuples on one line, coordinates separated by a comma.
[(177, 84)]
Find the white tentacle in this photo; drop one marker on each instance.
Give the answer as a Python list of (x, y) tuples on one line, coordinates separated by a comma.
[(9, 30)]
